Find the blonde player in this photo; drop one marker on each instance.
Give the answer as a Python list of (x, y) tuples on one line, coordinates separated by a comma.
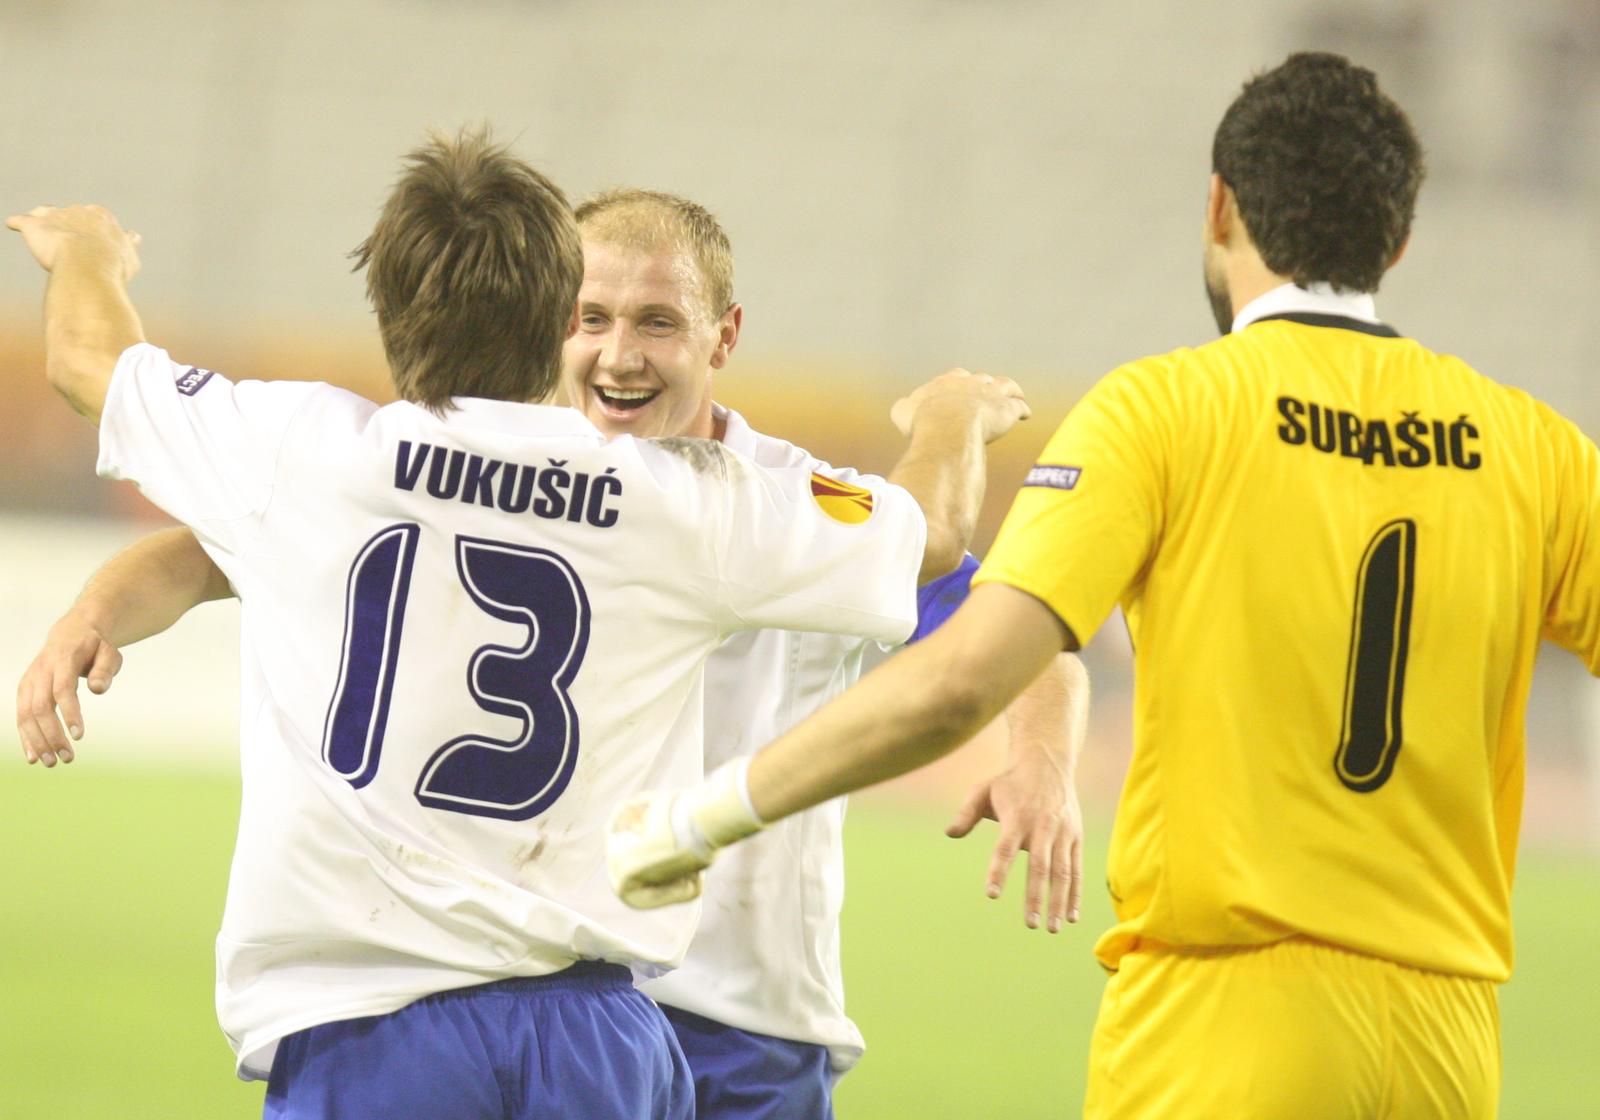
[(1338, 551), (758, 1003), (470, 624)]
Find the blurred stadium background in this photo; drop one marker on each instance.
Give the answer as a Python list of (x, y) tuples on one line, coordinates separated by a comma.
[(1011, 185)]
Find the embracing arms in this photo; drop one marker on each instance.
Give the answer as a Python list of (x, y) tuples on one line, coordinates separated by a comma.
[(139, 592), (88, 318)]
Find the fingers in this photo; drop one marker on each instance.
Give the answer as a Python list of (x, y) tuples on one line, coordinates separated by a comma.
[(902, 413), (49, 713), (34, 747), (65, 693), (16, 220), (106, 665), (1005, 851), (43, 739), (1061, 883), (974, 809), (655, 895), (1075, 892), (1011, 390), (1039, 863)]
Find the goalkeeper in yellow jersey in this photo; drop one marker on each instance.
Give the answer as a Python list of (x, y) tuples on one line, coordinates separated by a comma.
[(1337, 551)]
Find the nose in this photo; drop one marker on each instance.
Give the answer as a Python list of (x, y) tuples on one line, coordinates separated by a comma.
[(620, 352)]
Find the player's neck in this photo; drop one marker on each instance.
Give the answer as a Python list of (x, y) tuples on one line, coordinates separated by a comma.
[(1250, 278)]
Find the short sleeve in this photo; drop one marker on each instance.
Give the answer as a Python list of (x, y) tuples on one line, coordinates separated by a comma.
[(1572, 605), (1086, 521), (940, 598), (201, 447), (808, 548)]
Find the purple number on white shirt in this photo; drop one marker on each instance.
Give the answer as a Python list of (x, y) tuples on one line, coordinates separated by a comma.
[(520, 777), (516, 778), (374, 614)]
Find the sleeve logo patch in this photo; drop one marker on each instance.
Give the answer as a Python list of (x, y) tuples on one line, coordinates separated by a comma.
[(839, 500), (194, 380), (1056, 478)]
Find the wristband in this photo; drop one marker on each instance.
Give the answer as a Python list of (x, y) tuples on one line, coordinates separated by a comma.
[(717, 812)]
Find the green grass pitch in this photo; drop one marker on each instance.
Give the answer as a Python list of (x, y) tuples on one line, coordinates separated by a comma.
[(112, 888)]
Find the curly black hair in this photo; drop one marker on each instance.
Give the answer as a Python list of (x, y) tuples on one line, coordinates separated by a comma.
[(1325, 168)]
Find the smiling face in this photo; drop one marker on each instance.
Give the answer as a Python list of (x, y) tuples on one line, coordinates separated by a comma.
[(647, 342)]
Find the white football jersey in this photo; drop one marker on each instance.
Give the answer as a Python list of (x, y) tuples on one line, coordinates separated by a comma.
[(766, 955), (463, 640)]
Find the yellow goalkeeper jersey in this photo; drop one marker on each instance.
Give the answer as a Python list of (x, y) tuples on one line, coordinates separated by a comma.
[(1337, 552)]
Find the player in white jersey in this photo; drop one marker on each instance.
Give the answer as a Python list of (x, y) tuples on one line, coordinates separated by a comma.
[(758, 1003), (415, 898)]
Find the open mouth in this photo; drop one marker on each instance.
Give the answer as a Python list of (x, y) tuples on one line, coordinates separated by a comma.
[(625, 400)]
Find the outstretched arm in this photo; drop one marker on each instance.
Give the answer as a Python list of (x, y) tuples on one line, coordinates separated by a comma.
[(88, 318), (139, 592), (1035, 799), (949, 420), (916, 707)]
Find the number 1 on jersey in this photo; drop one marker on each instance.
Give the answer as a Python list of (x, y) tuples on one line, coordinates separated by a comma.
[(374, 615), (1375, 677)]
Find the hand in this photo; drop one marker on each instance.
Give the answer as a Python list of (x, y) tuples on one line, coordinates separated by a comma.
[(1037, 809), (49, 231), (647, 864), (74, 648), (997, 401)]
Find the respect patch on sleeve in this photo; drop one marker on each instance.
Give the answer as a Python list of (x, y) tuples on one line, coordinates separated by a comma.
[(194, 380), (1053, 477)]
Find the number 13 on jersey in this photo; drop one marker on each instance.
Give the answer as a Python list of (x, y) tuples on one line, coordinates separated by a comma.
[(516, 778)]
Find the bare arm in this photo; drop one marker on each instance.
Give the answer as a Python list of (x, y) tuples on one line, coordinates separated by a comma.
[(148, 586), (916, 707), (139, 592), (1035, 798), (88, 318), (949, 420)]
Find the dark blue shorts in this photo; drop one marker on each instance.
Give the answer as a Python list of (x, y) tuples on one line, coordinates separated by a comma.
[(581, 1042), (741, 1075)]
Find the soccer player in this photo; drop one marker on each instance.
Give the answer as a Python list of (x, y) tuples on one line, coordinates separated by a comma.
[(415, 922), (1337, 551), (758, 1002)]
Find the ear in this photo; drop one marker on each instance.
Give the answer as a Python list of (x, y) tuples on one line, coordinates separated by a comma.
[(572, 323), (1400, 252), (727, 335), (1220, 211)]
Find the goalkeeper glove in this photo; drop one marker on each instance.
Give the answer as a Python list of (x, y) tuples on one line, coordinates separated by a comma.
[(658, 843)]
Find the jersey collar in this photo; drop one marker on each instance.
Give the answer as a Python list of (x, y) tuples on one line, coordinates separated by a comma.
[(517, 419), (737, 435), (1319, 305)]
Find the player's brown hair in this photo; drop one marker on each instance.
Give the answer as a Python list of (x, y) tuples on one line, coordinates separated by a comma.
[(1326, 170), (473, 269), (640, 219)]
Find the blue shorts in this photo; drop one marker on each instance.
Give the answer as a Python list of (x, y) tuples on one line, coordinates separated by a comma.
[(581, 1042), (741, 1075)]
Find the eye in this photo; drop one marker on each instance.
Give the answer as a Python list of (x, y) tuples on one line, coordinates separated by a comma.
[(659, 324), (592, 321)]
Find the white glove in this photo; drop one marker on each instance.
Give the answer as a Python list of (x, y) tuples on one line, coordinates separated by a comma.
[(658, 843)]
